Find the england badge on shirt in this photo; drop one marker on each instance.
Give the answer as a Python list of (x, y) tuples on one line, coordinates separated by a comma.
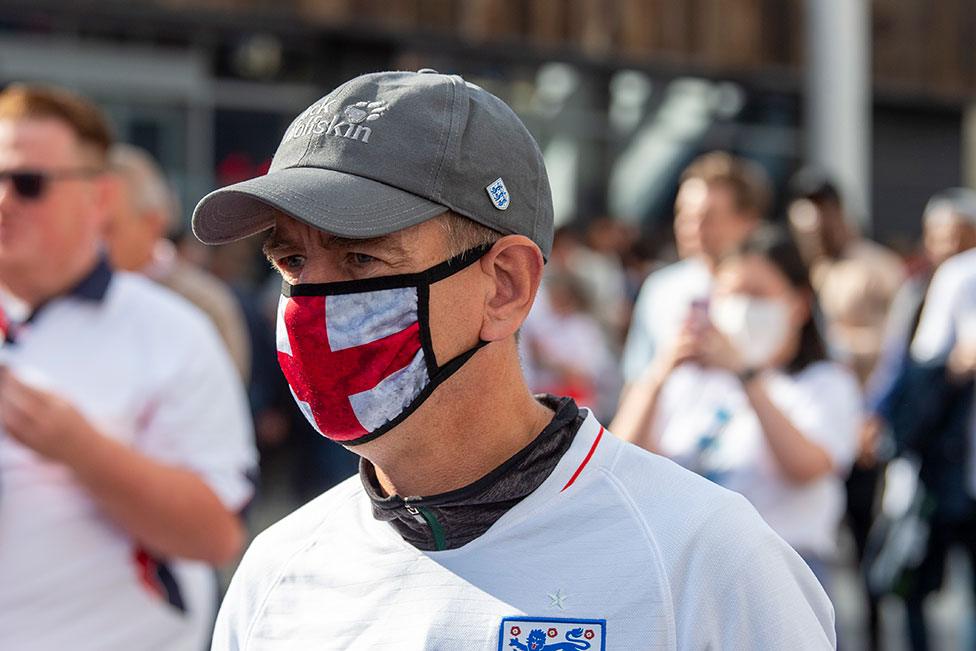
[(552, 634)]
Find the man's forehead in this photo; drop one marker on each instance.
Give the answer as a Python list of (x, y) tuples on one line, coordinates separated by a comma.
[(36, 142)]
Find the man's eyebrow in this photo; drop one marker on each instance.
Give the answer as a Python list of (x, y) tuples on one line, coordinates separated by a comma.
[(386, 243), (275, 241)]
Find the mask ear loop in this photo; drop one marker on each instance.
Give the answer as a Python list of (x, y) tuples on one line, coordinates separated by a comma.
[(435, 274), (423, 318)]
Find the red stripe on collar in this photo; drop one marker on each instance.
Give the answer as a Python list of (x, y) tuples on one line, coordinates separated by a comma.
[(586, 460)]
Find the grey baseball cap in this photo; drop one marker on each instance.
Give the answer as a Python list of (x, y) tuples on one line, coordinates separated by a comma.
[(388, 150)]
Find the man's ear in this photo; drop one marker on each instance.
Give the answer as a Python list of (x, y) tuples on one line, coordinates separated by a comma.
[(158, 220), (106, 191), (514, 267)]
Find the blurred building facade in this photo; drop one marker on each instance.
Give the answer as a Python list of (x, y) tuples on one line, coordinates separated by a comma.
[(620, 93)]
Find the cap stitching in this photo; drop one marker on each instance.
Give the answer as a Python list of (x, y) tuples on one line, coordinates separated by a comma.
[(447, 141)]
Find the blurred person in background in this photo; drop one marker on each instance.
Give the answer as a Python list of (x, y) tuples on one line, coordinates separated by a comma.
[(590, 254), (947, 326), (566, 243), (925, 407), (930, 410), (601, 269), (721, 200), (564, 350), (746, 396), (947, 330), (854, 277), (125, 443), (948, 229), (640, 260), (144, 211), (855, 280)]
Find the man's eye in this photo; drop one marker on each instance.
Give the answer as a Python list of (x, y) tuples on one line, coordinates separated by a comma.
[(291, 262), (360, 259)]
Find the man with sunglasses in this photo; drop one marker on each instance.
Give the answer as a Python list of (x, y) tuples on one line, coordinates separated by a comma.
[(409, 217), (124, 432)]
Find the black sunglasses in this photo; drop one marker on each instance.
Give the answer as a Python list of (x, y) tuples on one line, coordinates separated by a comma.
[(29, 184)]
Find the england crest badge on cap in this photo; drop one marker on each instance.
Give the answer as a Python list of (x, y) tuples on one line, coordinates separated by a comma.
[(498, 194), (552, 634)]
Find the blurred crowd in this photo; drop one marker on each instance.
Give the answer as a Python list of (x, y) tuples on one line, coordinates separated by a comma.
[(864, 419), (787, 357)]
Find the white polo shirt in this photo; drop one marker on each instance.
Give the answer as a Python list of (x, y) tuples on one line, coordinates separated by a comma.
[(617, 549), (147, 369)]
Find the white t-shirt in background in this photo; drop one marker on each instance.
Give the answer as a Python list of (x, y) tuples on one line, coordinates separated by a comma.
[(950, 308), (823, 401)]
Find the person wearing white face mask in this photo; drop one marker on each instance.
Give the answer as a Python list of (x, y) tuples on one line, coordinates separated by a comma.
[(747, 397)]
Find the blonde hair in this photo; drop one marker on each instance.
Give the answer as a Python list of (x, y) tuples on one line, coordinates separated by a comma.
[(85, 119), (750, 186)]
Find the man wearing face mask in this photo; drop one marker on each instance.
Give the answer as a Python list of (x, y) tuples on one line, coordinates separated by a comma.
[(410, 216)]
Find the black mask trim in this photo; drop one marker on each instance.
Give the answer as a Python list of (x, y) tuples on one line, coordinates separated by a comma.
[(422, 280), (426, 277)]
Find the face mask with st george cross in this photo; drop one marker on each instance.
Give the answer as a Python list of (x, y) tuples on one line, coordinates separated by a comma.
[(357, 354)]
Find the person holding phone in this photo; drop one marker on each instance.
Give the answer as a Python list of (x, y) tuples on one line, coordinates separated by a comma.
[(747, 397), (721, 200)]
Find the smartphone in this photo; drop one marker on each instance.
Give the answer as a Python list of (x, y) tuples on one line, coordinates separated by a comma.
[(698, 314)]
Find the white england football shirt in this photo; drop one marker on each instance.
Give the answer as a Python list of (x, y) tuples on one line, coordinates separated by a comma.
[(617, 549), (147, 369)]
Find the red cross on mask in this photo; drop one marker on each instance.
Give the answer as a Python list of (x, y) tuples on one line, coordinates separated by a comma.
[(358, 355), (325, 378)]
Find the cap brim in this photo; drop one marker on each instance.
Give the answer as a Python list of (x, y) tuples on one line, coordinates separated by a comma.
[(335, 202)]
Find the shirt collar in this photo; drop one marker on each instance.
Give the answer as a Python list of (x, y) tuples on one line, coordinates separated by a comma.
[(94, 285), (451, 520)]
